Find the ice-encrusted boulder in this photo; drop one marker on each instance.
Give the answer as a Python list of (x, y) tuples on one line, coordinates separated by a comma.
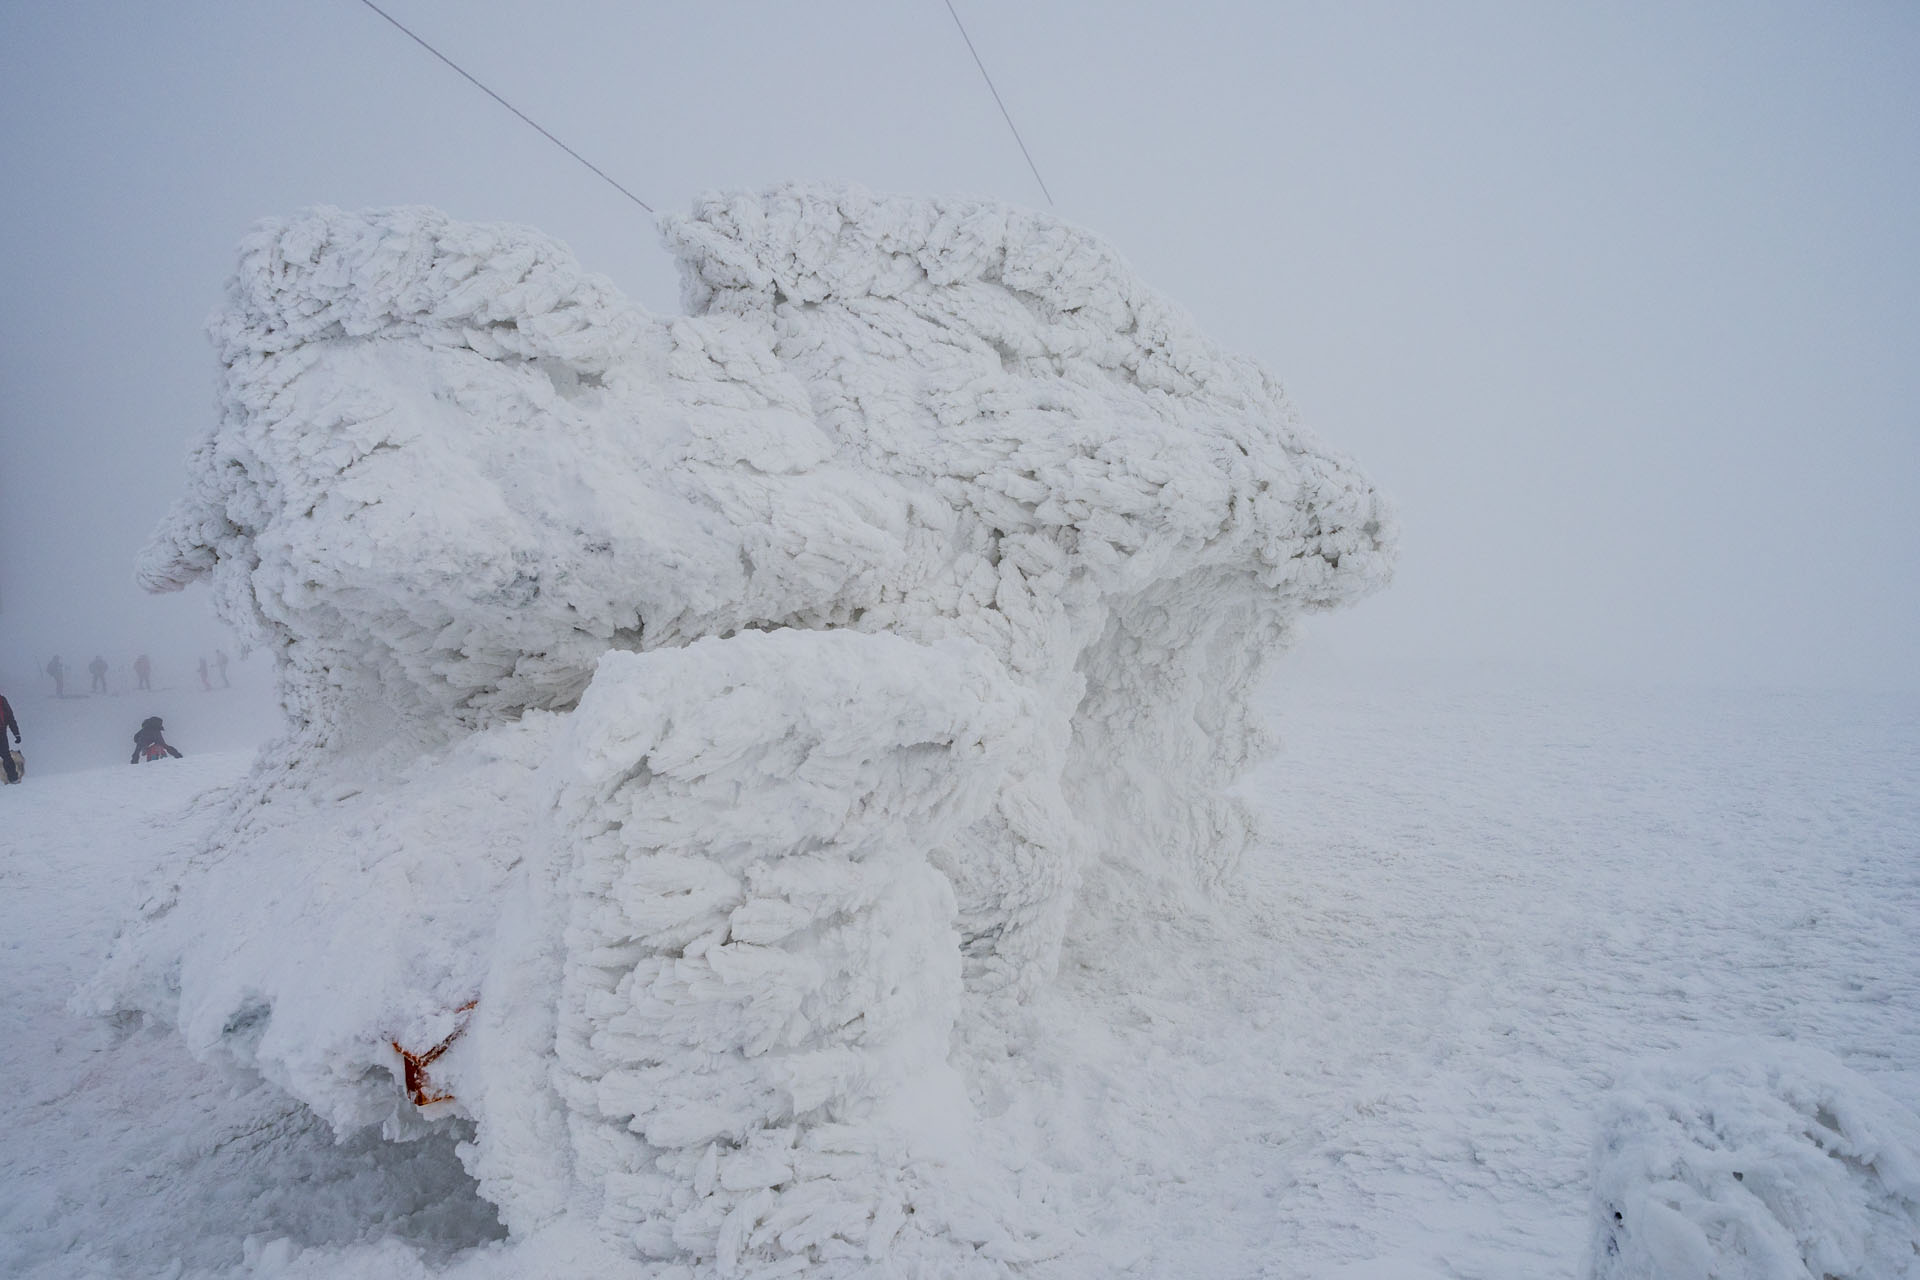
[(1763, 1160), (688, 711)]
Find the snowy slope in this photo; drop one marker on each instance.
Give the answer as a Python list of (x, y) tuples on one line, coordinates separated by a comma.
[(1388, 1051)]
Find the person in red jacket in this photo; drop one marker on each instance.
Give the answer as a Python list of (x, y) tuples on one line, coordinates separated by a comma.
[(148, 744), (7, 721)]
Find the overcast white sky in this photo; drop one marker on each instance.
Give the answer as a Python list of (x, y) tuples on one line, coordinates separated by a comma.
[(1620, 301)]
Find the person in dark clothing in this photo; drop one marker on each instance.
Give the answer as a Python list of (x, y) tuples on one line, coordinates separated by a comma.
[(58, 670), (7, 722), (148, 744), (98, 670)]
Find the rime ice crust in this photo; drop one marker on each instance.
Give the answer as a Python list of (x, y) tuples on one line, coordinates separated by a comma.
[(1766, 1159), (1020, 540), (754, 1014)]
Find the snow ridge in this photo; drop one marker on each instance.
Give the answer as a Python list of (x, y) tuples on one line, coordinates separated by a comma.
[(930, 556)]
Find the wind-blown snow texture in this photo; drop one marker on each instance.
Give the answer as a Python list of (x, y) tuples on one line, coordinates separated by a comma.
[(1761, 1160), (715, 699), (1485, 901)]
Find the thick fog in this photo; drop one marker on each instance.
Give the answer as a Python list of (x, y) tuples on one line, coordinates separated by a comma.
[(1622, 306)]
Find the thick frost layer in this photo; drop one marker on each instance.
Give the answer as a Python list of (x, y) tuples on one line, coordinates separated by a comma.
[(1020, 541), (763, 971), (1770, 1161)]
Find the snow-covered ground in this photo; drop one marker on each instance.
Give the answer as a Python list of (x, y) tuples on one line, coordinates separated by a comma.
[(1383, 1052)]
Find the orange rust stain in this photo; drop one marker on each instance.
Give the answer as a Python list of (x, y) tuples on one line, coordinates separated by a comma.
[(418, 1087)]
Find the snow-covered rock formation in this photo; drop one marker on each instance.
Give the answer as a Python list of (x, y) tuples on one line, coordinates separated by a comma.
[(687, 712), (1765, 1160)]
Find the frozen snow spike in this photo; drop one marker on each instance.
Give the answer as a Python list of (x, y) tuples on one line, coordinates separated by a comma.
[(417, 1063)]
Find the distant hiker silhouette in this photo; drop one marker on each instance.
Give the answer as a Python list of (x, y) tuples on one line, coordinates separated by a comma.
[(58, 670), (143, 672), (220, 664), (148, 744), (204, 682), (98, 670), (7, 754)]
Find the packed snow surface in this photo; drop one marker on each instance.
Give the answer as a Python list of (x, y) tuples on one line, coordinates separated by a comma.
[(690, 716), (1517, 954)]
